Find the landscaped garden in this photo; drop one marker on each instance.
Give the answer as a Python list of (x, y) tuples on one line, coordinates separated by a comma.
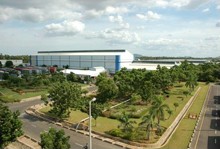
[(155, 100), (109, 122)]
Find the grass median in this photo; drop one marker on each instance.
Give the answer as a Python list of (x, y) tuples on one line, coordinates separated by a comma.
[(182, 135)]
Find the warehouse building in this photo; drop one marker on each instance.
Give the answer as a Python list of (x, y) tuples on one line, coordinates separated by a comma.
[(111, 60)]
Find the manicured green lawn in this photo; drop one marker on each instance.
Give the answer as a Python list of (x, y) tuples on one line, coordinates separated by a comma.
[(181, 137), (176, 96), (10, 96), (75, 116)]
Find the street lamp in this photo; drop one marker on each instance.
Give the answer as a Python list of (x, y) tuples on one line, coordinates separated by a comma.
[(90, 123)]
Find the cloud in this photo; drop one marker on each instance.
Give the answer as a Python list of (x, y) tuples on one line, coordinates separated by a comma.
[(192, 4), (119, 37), (35, 10), (116, 10), (93, 13), (178, 4), (35, 14), (149, 16), (212, 38), (119, 20), (218, 7), (206, 10), (65, 28), (164, 41), (114, 36), (218, 24)]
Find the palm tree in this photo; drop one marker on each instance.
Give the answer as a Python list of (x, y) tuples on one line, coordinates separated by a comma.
[(158, 108), (148, 123), (191, 81), (170, 112), (126, 123)]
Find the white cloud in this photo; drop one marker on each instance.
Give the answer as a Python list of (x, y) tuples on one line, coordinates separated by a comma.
[(36, 14), (218, 7), (149, 16), (89, 14), (119, 20), (213, 38), (187, 4), (162, 3), (65, 28), (164, 41), (179, 3), (218, 24), (116, 10), (206, 10), (122, 37), (116, 36)]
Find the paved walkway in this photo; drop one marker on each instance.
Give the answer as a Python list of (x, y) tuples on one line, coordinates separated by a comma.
[(24, 142)]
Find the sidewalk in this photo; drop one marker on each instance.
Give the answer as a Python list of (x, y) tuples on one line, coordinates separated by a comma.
[(24, 142)]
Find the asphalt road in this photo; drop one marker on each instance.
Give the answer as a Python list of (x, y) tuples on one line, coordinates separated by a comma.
[(208, 132), (32, 126)]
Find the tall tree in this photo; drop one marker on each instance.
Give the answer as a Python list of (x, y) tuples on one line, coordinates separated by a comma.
[(191, 81), (10, 125), (162, 78), (126, 124), (148, 124), (107, 90), (57, 77), (96, 110), (1, 64), (64, 96), (158, 109), (72, 77), (147, 91), (9, 64), (54, 140)]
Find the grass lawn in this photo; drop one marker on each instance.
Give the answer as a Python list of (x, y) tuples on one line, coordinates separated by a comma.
[(181, 137), (75, 116), (176, 96), (11, 96)]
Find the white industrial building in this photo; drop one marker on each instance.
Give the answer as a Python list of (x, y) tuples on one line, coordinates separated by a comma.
[(111, 60), (85, 61)]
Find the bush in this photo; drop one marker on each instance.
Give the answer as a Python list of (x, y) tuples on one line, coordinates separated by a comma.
[(115, 116), (135, 135), (115, 132), (106, 113)]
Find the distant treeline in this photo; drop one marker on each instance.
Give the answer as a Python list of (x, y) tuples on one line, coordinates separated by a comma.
[(25, 58), (164, 57)]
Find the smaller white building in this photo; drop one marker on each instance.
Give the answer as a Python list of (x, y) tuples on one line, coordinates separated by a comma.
[(93, 72), (15, 62)]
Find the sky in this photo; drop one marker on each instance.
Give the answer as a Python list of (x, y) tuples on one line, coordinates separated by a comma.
[(147, 27)]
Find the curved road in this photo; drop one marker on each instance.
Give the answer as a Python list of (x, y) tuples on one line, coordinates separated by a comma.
[(32, 126)]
